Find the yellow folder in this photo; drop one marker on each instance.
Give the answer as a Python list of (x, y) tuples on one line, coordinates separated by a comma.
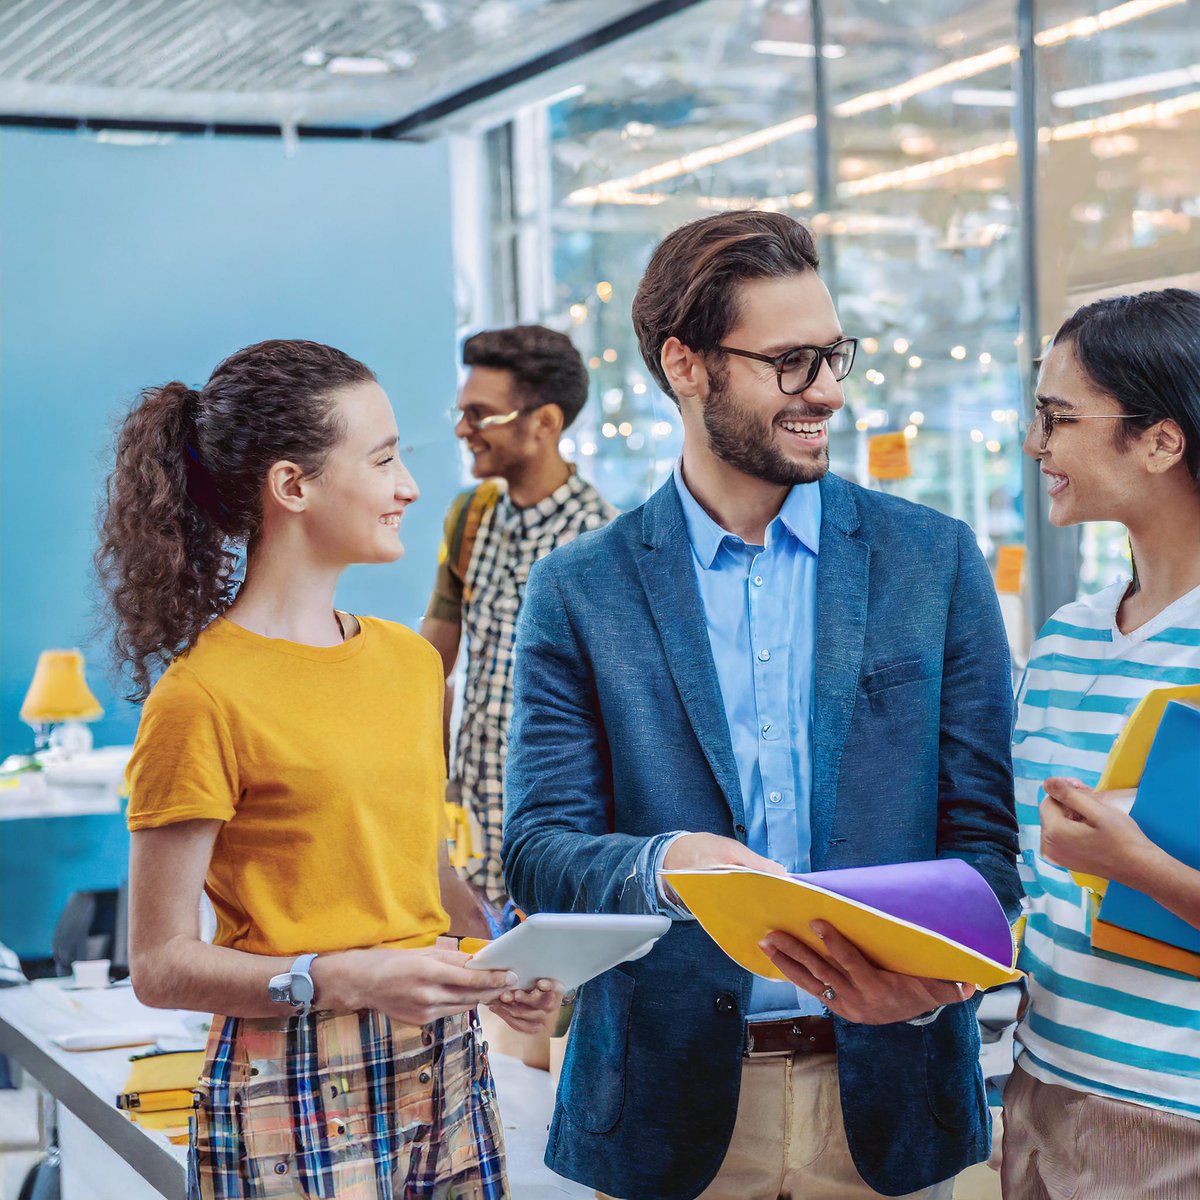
[(1127, 758), (1128, 944), (738, 908)]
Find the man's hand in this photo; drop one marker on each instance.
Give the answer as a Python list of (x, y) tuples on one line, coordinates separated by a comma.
[(1092, 832), (532, 1011), (694, 850), (862, 992)]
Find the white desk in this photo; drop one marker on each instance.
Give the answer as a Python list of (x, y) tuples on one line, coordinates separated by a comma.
[(88, 783), (87, 1083), (33, 798)]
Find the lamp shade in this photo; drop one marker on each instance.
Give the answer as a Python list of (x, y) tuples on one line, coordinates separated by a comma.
[(59, 691)]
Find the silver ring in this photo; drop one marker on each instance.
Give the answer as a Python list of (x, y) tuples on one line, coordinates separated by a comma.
[(829, 995)]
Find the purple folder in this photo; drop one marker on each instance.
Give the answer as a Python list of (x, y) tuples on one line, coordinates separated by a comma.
[(946, 896)]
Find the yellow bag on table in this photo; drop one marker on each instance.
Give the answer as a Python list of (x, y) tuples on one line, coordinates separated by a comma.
[(160, 1092)]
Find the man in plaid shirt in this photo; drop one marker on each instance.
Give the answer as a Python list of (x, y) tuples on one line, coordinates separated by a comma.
[(527, 384)]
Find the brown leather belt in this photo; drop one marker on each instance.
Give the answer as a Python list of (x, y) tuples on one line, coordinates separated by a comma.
[(799, 1035)]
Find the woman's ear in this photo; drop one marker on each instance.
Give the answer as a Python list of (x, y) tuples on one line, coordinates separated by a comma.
[(1166, 446), (285, 487)]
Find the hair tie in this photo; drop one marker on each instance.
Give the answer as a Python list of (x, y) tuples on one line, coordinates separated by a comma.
[(202, 484)]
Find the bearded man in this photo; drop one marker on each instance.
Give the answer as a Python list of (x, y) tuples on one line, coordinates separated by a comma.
[(765, 666)]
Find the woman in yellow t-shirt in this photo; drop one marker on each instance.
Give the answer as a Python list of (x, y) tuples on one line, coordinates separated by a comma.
[(289, 762)]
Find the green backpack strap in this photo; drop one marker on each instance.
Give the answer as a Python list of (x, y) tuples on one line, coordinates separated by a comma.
[(467, 514)]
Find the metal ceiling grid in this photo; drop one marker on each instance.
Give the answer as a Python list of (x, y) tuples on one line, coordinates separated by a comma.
[(221, 61)]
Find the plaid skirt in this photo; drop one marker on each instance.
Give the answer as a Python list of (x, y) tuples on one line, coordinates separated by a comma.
[(350, 1106)]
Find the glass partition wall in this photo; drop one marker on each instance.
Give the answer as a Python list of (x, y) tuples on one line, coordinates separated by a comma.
[(956, 227)]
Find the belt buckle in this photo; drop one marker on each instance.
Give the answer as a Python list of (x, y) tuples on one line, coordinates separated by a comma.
[(751, 1052), (794, 1033)]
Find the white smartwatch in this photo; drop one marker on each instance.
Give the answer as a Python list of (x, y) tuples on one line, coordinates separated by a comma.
[(294, 986)]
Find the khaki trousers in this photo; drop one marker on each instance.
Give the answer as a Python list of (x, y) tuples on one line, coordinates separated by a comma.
[(789, 1142), (1060, 1144)]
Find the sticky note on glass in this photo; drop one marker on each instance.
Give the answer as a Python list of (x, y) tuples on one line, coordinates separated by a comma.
[(887, 456), (1010, 566)]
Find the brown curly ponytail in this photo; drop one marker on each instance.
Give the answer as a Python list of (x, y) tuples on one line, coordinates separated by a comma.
[(186, 489)]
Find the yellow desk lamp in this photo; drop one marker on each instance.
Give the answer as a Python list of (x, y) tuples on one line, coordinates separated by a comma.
[(59, 696)]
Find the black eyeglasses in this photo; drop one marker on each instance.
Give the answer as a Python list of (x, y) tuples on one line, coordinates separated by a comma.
[(1049, 418), (795, 369)]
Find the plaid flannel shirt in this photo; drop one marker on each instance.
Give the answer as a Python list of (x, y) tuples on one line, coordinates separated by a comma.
[(510, 540)]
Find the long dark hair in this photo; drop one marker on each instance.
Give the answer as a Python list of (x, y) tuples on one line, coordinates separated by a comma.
[(185, 492), (1144, 352)]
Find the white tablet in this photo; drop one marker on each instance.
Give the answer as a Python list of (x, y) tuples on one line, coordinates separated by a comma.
[(570, 947)]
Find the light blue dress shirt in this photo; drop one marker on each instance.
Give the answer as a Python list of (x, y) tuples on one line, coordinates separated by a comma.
[(760, 606)]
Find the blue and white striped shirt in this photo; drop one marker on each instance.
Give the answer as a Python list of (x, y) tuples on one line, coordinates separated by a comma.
[(1098, 1023)]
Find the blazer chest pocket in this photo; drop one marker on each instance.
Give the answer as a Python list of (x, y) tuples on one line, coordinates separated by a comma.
[(593, 1083), (886, 676)]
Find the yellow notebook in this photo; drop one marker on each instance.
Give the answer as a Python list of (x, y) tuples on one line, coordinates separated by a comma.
[(1127, 758), (150, 1102), (900, 932), (173, 1123), (159, 1093)]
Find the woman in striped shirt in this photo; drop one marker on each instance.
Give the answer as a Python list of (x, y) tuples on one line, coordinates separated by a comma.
[(1105, 1100)]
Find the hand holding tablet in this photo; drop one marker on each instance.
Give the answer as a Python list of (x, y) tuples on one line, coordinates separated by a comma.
[(570, 947)]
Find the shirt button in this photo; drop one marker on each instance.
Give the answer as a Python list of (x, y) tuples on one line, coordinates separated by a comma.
[(775, 797), (764, 656), (758, 581), (766, 728), (725, 1003)]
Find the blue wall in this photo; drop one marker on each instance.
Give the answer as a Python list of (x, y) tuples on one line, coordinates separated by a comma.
[(125, 266)]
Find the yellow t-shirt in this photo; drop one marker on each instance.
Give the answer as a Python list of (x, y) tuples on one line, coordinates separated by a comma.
[(325, 765)]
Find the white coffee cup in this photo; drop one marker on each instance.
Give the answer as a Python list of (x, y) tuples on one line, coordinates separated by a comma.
[(90, 972)]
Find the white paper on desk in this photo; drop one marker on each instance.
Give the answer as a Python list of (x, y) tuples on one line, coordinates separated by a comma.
[(103, 1018), (103, 1039)]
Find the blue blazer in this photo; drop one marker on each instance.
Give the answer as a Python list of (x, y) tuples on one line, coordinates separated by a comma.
[(619, 733)]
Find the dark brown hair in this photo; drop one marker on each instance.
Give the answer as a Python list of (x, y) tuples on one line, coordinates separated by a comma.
[(1144, 352), (690, 288), (545, 366), (186, 489)]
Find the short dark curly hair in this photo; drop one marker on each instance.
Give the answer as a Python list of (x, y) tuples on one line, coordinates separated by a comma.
[(690, 288), (544, 365)]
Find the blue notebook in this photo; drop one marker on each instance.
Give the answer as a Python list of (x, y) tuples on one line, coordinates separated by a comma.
[(1167, 810)]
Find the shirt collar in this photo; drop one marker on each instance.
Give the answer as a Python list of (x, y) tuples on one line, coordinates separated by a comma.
[(535, 514), (799, 516)]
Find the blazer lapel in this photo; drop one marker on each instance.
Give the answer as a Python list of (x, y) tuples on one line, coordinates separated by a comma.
[(842, 586), (669, 580)]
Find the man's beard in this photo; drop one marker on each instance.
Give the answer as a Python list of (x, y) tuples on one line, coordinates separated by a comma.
[(741, 438)]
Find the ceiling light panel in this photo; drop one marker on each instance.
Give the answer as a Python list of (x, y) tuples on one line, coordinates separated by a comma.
[(309, 61)]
